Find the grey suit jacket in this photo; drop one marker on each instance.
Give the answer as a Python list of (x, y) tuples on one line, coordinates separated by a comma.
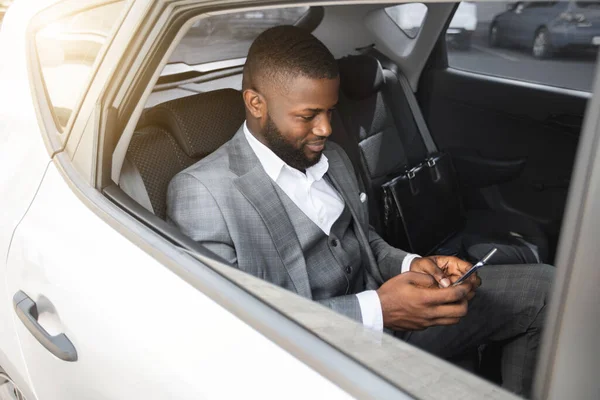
[(228, 203)]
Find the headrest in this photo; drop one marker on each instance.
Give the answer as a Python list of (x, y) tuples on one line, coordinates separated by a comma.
[(200, 123), (360, 76)]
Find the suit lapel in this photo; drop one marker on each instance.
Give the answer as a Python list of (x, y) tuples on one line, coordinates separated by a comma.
[(342, 181), (341, 178), (258, 188)]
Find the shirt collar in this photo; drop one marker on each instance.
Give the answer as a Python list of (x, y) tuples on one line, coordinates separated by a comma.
[(273, 165)]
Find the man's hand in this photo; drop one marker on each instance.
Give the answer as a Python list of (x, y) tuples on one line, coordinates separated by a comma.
[(414, 301), (445, 270)]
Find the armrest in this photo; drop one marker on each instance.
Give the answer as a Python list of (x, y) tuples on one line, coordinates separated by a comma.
[(476, 171)]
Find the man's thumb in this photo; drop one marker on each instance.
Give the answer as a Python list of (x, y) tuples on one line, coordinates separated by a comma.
[(439, 275), (421, 279)]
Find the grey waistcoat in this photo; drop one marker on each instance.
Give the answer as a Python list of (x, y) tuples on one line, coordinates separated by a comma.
[(333, 262)]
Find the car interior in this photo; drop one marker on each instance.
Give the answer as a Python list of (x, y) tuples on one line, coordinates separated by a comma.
[(402, 108), (512, 143)]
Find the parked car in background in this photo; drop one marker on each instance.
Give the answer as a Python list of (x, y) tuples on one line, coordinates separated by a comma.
[(462, 26), (548, 27)]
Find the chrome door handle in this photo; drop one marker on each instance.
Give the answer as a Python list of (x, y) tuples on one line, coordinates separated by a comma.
[(58, 345)]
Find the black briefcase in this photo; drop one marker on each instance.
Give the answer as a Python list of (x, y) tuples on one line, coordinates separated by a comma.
[(422, 206)]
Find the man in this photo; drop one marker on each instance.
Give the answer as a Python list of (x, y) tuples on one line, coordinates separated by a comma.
[(280, 202)]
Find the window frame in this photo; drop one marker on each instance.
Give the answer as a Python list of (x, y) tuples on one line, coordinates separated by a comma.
[(403, 30), (54, 134)]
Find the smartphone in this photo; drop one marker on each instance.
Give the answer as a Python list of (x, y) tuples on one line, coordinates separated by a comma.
[(475, 267)]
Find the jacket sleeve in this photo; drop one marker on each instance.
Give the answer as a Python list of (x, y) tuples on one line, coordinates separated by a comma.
[(193, 209), (389, 258)]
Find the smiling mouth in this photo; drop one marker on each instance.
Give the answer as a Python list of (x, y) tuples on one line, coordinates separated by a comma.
[(316, 146)]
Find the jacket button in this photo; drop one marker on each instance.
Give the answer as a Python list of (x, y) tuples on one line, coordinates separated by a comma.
[(334, 242), (348, 270)]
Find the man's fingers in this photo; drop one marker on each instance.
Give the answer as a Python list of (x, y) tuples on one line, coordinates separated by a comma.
[(419, 279), (430, 266), (456, 310), (462, 265), (445, 321), (452, 294), (475, 281), (453, 265)]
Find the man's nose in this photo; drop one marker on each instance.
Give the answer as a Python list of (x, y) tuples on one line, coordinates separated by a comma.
[(322, 126)]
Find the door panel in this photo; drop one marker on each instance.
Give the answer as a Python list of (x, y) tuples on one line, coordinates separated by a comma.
[(531, 18), (503, 119), (515, 24), (140, 331), (23, 161)]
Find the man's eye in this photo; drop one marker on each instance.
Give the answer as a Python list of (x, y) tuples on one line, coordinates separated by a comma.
[(307, 118)]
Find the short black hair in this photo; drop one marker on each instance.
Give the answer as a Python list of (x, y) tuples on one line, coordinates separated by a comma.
[(283, 52)]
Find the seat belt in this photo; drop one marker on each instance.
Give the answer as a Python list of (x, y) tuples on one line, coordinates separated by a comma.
[(408, 93), (416, 110)]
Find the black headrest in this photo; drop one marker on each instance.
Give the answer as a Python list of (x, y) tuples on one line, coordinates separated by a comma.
[(360, 76), (200, 123)]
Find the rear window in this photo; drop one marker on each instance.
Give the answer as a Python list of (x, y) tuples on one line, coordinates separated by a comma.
[(229, 36), (409, 17)]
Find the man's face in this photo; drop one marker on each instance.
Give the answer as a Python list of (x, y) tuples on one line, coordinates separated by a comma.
[(298, 121)]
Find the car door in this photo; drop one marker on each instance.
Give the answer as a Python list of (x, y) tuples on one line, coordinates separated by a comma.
[(525, 17), (98, 317), (100, 308), (514, 22), (23, 161), (497, 105), (534, 16)]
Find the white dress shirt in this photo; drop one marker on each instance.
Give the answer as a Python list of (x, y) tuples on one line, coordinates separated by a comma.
[(316, 198)]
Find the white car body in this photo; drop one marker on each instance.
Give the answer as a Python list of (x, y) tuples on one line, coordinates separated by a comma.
[(151, 320), (141, 332)]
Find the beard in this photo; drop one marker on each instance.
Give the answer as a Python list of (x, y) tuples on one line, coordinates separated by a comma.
[(291, 155)]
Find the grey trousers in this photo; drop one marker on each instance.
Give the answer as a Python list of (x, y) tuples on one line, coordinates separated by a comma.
[(508, 308)]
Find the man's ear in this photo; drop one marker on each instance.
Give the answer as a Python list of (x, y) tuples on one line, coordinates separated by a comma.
[(255, 103)]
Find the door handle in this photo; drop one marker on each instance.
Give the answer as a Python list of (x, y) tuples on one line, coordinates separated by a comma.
[(58, 345)]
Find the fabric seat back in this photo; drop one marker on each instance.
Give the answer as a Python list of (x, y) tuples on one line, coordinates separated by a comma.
[(177, 134)]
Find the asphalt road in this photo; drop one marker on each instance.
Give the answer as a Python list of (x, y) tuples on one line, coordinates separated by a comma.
[(573, 71)]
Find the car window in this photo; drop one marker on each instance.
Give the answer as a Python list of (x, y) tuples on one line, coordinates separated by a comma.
[(588, 4), (67, 49), (540, 4), (409, 17), (229, 36), (554, 46)]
